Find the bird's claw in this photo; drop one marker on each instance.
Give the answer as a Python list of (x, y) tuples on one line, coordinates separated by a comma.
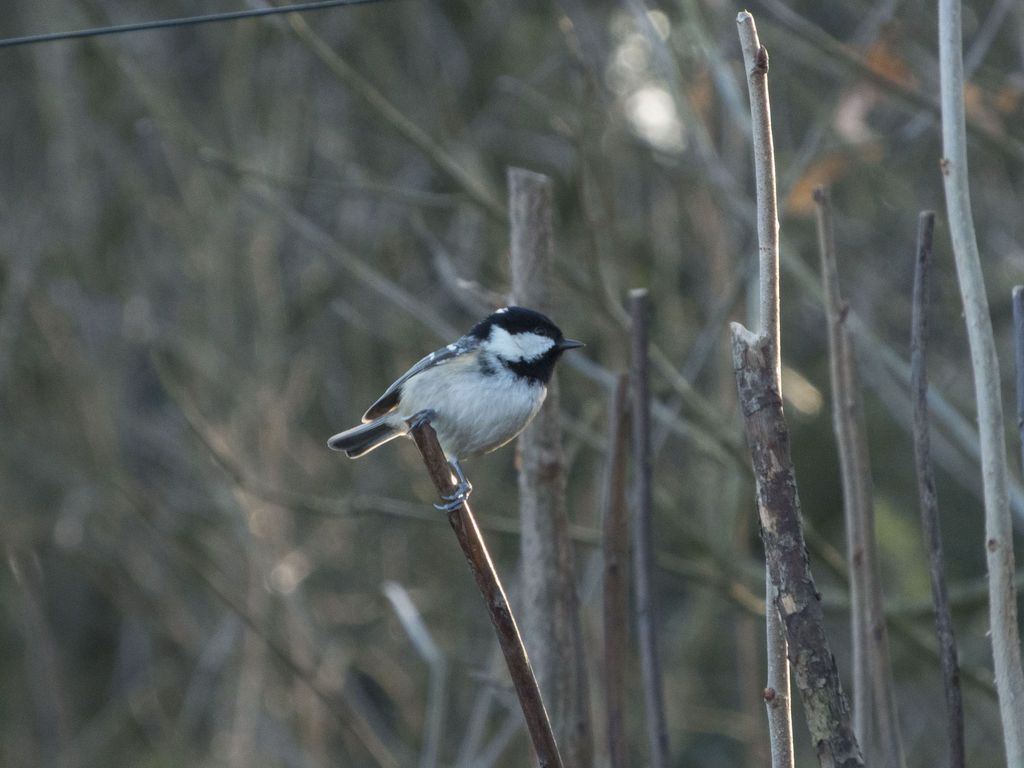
[(456, 499), (420, 418)]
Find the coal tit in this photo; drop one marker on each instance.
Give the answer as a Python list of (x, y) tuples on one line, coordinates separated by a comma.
[(478, 392)]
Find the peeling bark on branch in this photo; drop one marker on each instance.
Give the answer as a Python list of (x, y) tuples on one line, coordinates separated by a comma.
[(795, 597)]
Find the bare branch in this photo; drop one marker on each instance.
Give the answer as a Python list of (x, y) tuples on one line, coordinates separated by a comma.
[(778, 691), (479, 559), (616, 586), (874, 705), (926, 492), (643, 546), (551, 616), (416, 629), (757, 363), (794, 594), (755, 60), (998, 531)]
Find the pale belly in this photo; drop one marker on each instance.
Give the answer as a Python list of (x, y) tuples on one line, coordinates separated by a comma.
[(474, 414)]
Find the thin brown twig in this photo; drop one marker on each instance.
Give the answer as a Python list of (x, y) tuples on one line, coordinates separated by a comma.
[(874, 707), (479, 560), (643, 547), (926, 492), (852, 490), (616, 563)]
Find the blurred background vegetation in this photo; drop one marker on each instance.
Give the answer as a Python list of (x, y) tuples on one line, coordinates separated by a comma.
[(220, 243)]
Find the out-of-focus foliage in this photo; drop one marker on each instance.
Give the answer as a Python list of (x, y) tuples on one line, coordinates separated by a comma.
[(214, 254)]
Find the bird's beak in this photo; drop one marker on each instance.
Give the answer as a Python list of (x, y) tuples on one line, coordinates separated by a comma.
[(565, 344)]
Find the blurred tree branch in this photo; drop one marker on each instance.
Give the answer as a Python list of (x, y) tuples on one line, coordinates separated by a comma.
[(926, 491), (646, 608), (615, 582), (874, 710), (474, 187), (551, 612), (836, 50)]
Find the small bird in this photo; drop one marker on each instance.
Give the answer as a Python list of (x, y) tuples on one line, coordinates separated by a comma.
[(478, 392)]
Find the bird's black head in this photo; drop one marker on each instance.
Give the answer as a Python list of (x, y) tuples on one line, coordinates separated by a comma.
[(524, 341)]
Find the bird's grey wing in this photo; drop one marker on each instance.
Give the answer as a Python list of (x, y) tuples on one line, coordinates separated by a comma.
[(389, 400)]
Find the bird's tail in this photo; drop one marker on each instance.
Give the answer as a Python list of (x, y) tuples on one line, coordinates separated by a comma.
[(364, 438)]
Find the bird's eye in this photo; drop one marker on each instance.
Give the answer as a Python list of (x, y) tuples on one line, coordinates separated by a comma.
[(539, 330)]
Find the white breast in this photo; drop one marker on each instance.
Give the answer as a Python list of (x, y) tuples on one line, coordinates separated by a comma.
[(476, 413)]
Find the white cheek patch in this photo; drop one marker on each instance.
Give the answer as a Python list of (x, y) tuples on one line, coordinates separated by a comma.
[(520, 346)]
